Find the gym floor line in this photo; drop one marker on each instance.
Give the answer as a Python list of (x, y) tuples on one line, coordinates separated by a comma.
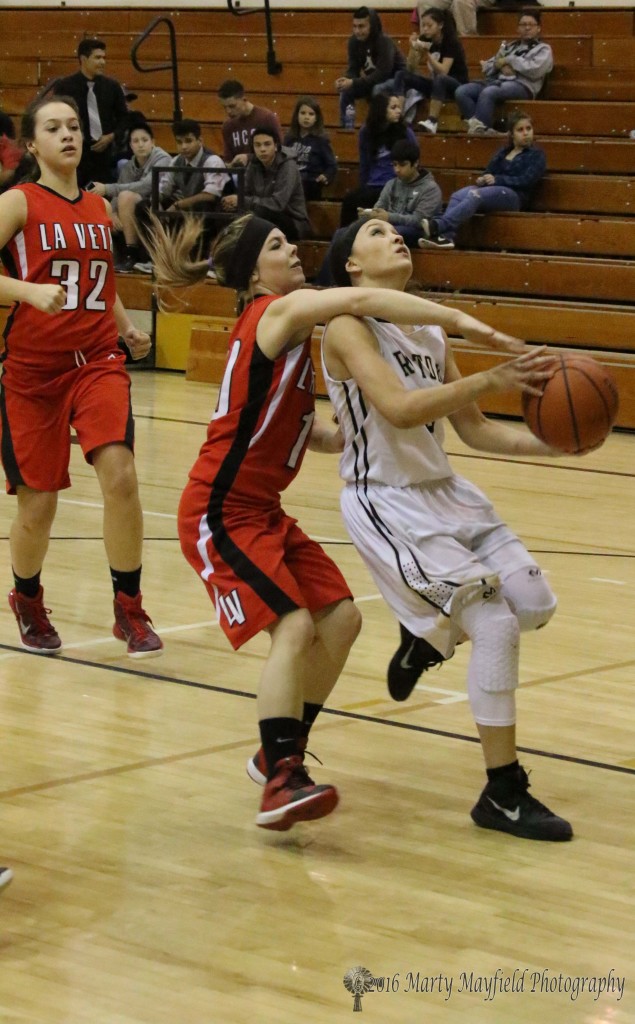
[(335, 712)]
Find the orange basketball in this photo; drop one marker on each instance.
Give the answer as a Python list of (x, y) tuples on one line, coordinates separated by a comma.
[(577, 407)]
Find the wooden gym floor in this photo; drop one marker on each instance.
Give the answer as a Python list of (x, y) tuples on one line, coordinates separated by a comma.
[(143, 892)]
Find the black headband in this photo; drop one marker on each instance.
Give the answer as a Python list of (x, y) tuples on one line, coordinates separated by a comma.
[(341, 248), (243, 259)]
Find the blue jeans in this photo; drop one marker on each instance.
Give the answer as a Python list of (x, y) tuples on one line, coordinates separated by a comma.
[(356, 92), (438, 87), (466, 202), (479, 99)]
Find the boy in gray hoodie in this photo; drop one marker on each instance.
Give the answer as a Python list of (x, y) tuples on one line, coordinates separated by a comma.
[(403, 199), (133, 186)]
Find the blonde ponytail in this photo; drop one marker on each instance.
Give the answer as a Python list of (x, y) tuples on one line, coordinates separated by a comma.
[(171, 251)]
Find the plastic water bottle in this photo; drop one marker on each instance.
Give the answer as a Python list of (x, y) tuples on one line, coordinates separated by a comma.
[(349, 116)]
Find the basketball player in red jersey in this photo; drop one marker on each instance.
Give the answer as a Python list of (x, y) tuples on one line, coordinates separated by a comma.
[(62, 368), (259, 568)]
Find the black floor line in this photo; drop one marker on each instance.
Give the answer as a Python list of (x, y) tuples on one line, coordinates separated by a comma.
[(352, 715)]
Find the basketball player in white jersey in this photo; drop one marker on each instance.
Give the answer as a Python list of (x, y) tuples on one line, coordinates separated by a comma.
[(446, 564)]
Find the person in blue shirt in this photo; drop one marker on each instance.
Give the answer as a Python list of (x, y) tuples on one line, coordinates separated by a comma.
[(508, 183), (307, 143), (383, 127)]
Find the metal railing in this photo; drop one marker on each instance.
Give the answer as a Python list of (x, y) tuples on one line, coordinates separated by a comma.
[(172, 65), (274, 67)]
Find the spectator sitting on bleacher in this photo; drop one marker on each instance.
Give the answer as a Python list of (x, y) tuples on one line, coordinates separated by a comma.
[(273, 186), (437, 47), (242, 118), (307, 143), (383, 127), (179, 191), (134, 186), (508, 183), (517, 71), (410, 197), (373, 58), (404, 202)]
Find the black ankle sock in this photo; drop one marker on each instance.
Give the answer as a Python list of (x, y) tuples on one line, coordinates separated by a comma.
[(279, 738), (309, 714), (505, 778), (28, 588), (433, 119), (128, 583)]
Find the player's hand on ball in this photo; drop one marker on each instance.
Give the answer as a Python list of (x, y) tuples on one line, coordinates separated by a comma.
[(138, 342), (48, 298), (527, 372)]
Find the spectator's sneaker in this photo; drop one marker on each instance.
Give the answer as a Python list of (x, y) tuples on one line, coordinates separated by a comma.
[(476, 127), (257, 765), (518, 813), (6, 877), (135, 627), (125, 265), (291, 796), (429, 126), (37, 634), (413, 657), (144, 268), (436, 242)]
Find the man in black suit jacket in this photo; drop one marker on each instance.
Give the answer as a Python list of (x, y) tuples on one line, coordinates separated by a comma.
[(97, 163)]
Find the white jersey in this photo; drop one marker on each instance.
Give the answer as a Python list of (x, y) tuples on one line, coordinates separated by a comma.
[(375, 451)]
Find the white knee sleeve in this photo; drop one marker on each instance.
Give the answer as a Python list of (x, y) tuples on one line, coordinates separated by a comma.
[(492, 675), (530, 597)]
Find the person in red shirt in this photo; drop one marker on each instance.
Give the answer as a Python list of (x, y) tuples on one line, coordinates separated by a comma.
[(62, 367), (259, 568), (242, 118)]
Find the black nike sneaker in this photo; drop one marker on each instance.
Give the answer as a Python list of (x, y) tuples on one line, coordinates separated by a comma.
[(511, 809), (411, 659)]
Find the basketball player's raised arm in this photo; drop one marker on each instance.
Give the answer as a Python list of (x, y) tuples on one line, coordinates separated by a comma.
[(48, 298), (287, 322), (350, 350)]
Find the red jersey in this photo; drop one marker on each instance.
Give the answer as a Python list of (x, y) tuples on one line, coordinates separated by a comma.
[(259, 432), (67, 242)]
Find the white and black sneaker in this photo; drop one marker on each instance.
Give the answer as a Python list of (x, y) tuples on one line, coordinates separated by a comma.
[(411, 659), (429, 126), (431, 238), (509, 808), (144, 267), (436, 242)]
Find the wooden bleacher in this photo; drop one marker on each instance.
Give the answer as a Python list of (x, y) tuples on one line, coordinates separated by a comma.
[(563, 273)]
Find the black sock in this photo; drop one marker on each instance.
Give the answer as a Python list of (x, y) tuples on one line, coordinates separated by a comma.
[(27, 587), (279, 738), (504, 780), (309, 714), (128, 583), (434, 120)]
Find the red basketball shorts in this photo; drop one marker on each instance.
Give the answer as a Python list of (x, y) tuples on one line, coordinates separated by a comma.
[(93, 399), (256, 565)]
